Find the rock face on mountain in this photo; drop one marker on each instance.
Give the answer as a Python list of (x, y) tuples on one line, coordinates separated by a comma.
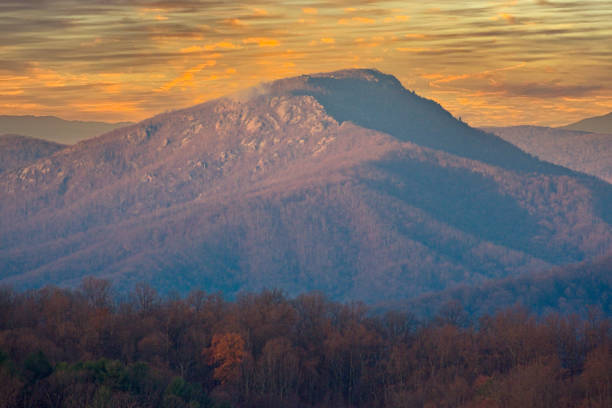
[(18, 151), (597, 124), (586, 152), (342, 182)]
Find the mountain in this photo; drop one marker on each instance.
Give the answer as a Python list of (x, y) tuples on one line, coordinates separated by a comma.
[(343, 182), (569, 290), (19, 151), (597, 124), (55, 129), (586, 152)]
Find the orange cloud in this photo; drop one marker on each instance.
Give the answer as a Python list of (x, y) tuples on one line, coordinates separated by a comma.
[(186, 78), (260, 12), (432, 76), (397, 19), (413, 49), (453, 54), (509, 18), (262, 41), (227, 45), (480, 74), (356, 20), (12, 92), (192, 49), (235, 22)]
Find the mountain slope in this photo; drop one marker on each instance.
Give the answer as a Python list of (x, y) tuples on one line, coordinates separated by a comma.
[(597, 124), (18, 151), (285, 186), (586, 152), (55, 129), (568, 290)]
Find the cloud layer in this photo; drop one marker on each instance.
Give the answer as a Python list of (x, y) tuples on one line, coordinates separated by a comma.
[(495, 63)]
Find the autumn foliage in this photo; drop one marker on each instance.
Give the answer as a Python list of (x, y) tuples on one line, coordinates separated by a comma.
[(94, 348), (226, 353)]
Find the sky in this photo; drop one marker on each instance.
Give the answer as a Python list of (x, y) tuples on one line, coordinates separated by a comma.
[(498, 63)]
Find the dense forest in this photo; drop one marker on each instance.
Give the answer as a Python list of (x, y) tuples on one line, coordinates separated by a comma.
[(565, 289), (90, 347)]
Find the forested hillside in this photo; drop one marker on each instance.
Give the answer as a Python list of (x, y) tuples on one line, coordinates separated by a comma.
[(61, 348), (566, 290), (19, 151)]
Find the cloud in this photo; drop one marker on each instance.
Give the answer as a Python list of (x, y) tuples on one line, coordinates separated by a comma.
[(260, 12), (225, 45), (413, 49), (356, 21), (58, 51), (397, 19), (508, 18), (186, 78), (262, 41), (415, 35), (235, 22), (551, 89)]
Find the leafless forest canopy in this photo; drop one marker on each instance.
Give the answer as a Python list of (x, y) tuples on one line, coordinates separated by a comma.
[(78, 348)]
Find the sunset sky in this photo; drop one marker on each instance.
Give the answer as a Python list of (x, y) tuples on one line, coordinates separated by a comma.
[(545, 62)]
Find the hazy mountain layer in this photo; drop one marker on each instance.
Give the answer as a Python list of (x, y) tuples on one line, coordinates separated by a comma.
[(586, 152), (597, 124), (342, 182), (55, 129), (18, 151)]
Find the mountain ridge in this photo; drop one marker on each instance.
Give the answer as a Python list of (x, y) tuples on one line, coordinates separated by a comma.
[(581, 151), (18, 151), (596, 124), (54, 129)]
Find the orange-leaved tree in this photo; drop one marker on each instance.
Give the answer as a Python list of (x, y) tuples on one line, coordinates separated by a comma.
[(226, 353)]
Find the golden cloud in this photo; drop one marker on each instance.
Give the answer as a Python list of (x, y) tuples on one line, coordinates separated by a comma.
[(413, 49), (186, 78), (262, 41), (356, 21), (235, 22), (397, 19)]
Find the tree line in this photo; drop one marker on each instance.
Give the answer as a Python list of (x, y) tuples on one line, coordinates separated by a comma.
[(86, 347)]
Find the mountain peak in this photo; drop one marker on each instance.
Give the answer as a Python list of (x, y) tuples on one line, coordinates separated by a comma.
[(364, 74), (323, 82)]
